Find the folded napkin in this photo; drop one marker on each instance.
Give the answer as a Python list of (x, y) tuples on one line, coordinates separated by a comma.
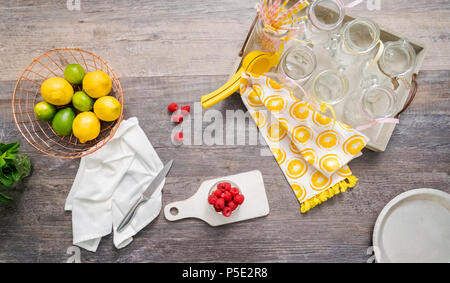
[(108, 183), (312, 150)]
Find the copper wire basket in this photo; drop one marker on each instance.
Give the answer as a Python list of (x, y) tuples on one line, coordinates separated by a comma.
[(27, 93)]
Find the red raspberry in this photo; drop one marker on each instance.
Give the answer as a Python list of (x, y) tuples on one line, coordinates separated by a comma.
[(227, 196), (172, 107), (227, 186), (227, 212), (239, 199), (232, 205), (218, 193), (177, 118), (234, 191), (221, 186), (220, 204), (186, 109), (217, 209), (178, 137), (212, 199)]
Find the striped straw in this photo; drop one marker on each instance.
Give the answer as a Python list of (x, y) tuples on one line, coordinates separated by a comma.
[(290, 13)]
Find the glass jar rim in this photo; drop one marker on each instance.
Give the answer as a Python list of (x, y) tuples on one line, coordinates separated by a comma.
[(351, 45), (318, 24), (342, 79), (405, 44), (294, 48), (261, 27), (380, 89)]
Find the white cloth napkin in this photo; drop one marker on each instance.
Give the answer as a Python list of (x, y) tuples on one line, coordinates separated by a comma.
[(108, 183)]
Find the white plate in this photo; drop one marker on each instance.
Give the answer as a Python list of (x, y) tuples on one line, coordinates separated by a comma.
[(414, 227)]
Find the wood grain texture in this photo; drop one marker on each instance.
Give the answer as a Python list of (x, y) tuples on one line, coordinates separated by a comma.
[(165, 51)]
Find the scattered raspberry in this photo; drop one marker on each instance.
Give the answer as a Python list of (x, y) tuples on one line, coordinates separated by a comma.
[(178, 137), (177, 118), (227, 196), (220, 204), (186, 109), (218, 193), (172, 107), (234, 191), (239, 199), (227, 186), (232, 205), (212, 199), (227, 211)]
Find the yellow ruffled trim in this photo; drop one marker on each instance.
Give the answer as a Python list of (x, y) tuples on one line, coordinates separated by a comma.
[(340, 187)]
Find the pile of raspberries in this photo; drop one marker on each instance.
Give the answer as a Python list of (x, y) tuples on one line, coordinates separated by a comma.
[(225, 199)]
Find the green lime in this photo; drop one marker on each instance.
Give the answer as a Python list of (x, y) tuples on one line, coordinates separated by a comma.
[(74, 74), (63, 120), (44, 111), (82, 102)]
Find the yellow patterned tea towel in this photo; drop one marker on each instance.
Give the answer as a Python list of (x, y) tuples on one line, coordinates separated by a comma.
[(311, 149)]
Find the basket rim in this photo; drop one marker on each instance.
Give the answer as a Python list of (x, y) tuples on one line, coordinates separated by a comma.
[(94, 147)]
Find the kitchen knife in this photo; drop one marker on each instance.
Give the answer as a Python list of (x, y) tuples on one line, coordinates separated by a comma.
[(145, 196)]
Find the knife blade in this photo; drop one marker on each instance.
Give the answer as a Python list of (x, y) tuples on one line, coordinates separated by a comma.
[(145, 196)]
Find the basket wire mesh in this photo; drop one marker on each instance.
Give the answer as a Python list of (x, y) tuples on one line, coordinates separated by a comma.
[(27, 93)]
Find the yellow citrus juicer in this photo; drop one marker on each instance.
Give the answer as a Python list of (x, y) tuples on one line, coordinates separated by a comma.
[(256, 62)]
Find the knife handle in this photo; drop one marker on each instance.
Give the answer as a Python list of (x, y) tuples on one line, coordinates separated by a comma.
[(129, 216)]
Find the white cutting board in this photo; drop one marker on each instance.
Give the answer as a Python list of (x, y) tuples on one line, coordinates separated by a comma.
[(414, 227), (255, 205)]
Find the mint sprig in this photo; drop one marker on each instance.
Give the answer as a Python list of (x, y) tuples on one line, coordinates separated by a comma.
[(13, 167)]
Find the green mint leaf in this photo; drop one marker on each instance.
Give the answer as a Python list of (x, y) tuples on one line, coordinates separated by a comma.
[(4, 198)]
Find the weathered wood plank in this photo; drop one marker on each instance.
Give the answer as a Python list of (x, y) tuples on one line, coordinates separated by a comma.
[(167, 51)]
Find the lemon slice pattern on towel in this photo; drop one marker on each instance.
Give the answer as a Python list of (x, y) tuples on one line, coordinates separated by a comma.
[(312, 150)]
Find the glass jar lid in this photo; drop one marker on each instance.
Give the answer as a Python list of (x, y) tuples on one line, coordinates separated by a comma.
[(330, 86), (361, 35), (298, 62), (326, 15), (379, 102), (398, 58)]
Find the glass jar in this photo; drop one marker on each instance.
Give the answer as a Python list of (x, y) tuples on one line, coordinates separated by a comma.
[(330, 87), (357, 38), (324, 17), (298, 63), (397, 60), (375, 103), (271, 40)]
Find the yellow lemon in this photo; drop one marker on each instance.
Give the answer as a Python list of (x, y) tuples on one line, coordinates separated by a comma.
[(107, 108), (86, 127), (97, 84), (57, 91)]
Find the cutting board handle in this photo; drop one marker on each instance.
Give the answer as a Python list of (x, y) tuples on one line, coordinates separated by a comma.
[(179, 210)]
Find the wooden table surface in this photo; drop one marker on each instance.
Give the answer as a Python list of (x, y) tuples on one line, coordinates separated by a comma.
[(166, 51)]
